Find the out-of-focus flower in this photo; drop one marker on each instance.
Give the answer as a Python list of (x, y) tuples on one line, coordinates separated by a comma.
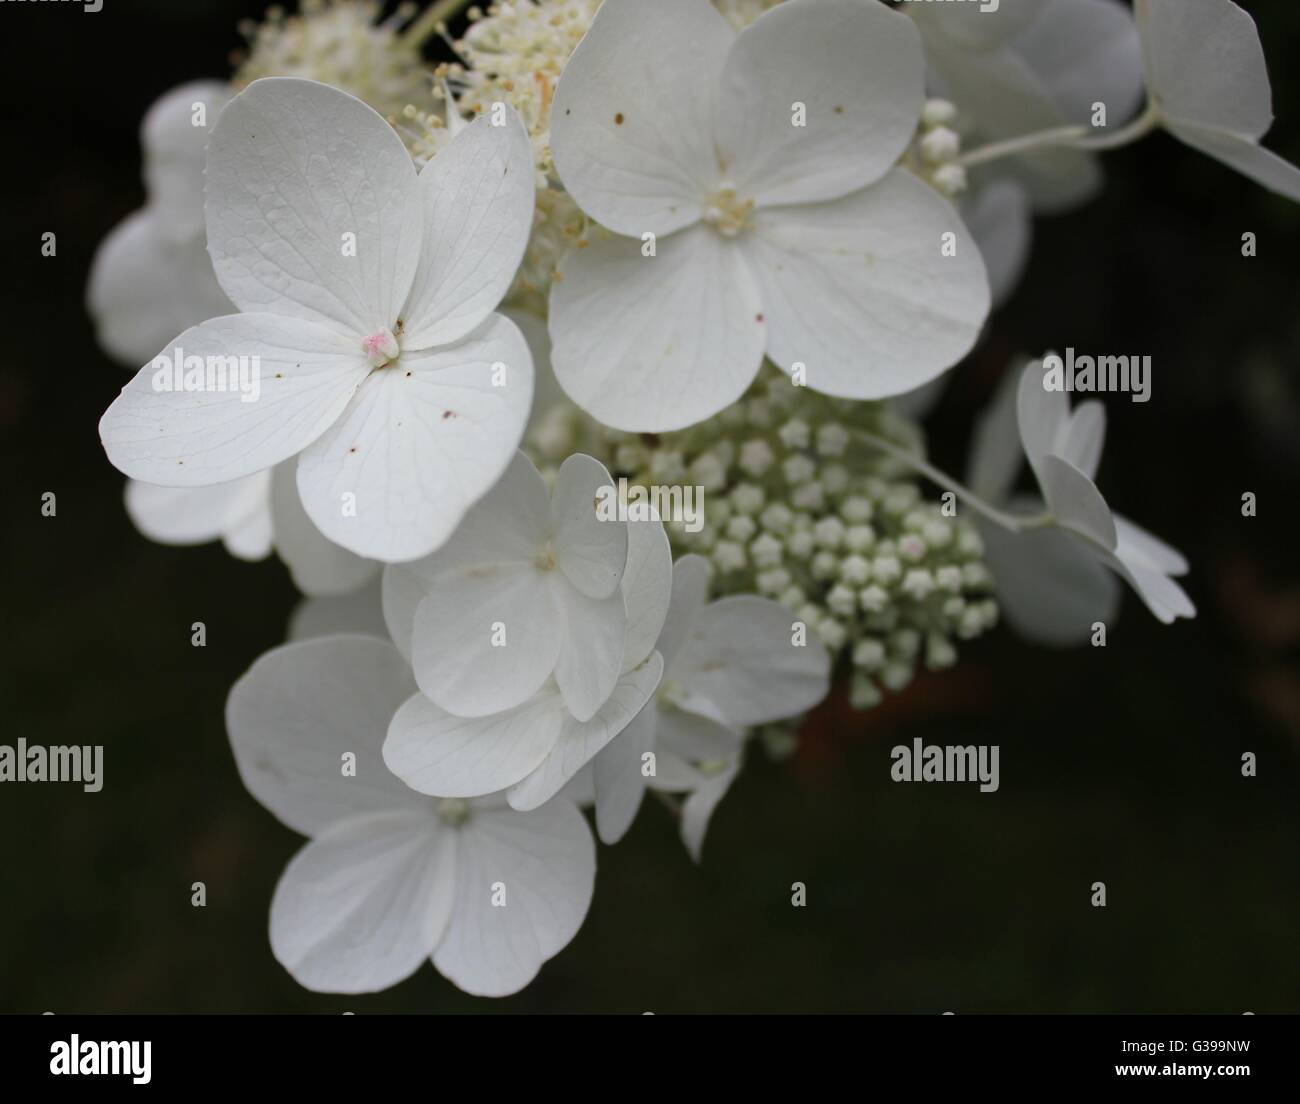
[(151, 277)]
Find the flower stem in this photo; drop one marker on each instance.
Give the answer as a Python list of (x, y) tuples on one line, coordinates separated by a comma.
[(1078, 137), (429, 23), (1010, 522)]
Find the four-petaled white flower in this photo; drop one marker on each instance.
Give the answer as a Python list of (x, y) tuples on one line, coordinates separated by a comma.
[(152, 276), (368, 293), (728, 665), (534, 749), (1051, 587), (761, 168), (1206, 73), (1064, 450), (526, 588), (390, 877)]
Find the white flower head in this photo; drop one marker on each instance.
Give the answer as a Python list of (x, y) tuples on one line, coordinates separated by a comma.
[(750, 184), (728, 665), (1064, 449), (151, 277), (1051, 587), (534, 749), (368, 295), (1207, 76), (390, 877), (527, 587)]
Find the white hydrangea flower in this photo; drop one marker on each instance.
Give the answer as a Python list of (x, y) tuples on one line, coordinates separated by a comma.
[(1050, 586), (526, 588), (391, 878), (385, 365), (1207, 77), (151, 277), (728, 665), (534, 749), (1064, 449), (774, 231)]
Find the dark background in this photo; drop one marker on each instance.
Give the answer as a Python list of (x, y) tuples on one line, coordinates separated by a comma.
[(1119, 764)]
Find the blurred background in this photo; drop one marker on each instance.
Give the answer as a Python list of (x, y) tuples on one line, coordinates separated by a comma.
[(1119, 764)]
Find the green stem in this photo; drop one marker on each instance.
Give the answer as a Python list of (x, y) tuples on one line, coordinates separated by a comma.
[(1010, 522), (1071, 137), (432, 21)]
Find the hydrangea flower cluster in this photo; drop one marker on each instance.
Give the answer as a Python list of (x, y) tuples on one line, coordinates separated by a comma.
[(726, 247)]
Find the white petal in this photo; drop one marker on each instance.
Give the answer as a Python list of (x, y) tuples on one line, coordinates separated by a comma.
[(652, 344), (478, 197), (1086, 52), (999, 217), (617, 776), (293, 168), (1075, 501), (486, 640), (1041, 414), (196, 515), (1205, 65), (859, 289), (357, 614), (303, 382), (632, 122), (144, 288), (437, 753), (973, 26), (363, 905), (647, 588), (318, 565), (423, 440), (694, 738), (579, 742), (510, 520), (1262, 166), (690, 590), (996, 449), (175, 137), (250, 538), (1162, 596), (857, 70), (1081, 440), (1138, 544), (591, 655), (699, 807), (1051, 587), (545, 862), (741, 655), (300, 709), (590, 549)]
